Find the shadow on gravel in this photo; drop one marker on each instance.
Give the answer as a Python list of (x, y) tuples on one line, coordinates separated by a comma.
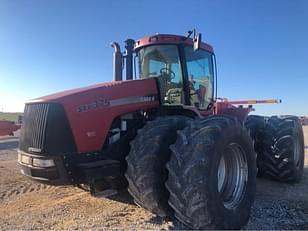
[(8, 145), (123, 197), (174, 225)]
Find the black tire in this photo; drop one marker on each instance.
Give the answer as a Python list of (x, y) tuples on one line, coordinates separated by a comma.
[(197, 196), (256, 125), (282, 156), (146, 171)]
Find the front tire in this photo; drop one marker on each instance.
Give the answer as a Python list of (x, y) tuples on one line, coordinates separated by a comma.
[(212, 174), (146, 171)]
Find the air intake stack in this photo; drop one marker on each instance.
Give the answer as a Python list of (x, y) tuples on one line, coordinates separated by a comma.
[(117, 62)]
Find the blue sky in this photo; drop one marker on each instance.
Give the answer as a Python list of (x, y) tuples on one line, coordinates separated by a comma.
[(51, 45)]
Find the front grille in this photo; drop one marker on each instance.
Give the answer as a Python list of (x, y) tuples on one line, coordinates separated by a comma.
[(46, 130), (34, 127)]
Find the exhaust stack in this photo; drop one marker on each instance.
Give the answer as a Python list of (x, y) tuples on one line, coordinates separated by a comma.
[(129, 46), (117, 62)]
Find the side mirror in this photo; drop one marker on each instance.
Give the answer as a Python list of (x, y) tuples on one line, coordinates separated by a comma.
[(197, 42)]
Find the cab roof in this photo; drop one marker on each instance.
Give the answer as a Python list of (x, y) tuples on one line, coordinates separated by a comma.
[(168, 39)]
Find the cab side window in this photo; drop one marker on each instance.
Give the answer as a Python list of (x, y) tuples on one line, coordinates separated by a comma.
[(200, 75)]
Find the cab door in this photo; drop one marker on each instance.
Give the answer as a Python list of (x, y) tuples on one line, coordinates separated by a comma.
[(199, 66)]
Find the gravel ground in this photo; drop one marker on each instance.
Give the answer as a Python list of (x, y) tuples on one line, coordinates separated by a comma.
[(26, 204)]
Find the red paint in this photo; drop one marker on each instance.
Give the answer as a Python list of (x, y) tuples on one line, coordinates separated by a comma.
[(8, 127), (221, 108), (169, 39), (90, 128)]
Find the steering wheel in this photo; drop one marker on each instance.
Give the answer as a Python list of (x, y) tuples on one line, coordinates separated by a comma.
[(167, 71)]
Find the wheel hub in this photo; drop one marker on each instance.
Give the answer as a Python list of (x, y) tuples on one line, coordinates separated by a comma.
[(232, 175)]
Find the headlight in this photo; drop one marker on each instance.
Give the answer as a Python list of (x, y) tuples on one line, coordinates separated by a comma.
[(43, 163), (26, 160), (35, 162), (19, 157)]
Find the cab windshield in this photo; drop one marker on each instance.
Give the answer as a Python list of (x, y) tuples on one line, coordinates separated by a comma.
[(162, 61)]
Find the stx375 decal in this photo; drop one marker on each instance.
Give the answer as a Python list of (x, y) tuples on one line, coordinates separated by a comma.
[(101, 103)]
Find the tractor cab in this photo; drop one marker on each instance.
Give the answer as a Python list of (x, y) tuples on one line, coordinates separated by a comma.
[(184, 70), (182, 66)]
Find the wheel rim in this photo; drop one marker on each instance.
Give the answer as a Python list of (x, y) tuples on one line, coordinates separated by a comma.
[(232, 176), (297, 150)]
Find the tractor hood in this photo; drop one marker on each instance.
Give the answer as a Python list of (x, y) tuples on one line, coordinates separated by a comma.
[(110, 89), (91, 110)]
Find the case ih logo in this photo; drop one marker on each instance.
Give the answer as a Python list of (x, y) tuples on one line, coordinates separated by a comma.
[(101, 103)]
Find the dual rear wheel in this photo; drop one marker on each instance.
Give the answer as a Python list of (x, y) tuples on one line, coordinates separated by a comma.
[(202, 172), (279, 143), (205, 179)]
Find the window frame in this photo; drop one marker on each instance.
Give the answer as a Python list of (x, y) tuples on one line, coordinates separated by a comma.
[(184, 71), (186, 77)]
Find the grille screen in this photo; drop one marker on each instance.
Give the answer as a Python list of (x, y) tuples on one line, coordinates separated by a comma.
[(35, 120), (46, 130)]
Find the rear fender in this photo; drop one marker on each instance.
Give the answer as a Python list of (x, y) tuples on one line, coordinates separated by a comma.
[(188, 111), (240, 112)]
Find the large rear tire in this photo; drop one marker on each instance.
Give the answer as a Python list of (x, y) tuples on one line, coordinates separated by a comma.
[(146, 171), (212, 174), (282, 156), (255, 124)]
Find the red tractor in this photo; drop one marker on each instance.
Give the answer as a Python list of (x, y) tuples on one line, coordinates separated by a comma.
[(8, 127), (164, 134)]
